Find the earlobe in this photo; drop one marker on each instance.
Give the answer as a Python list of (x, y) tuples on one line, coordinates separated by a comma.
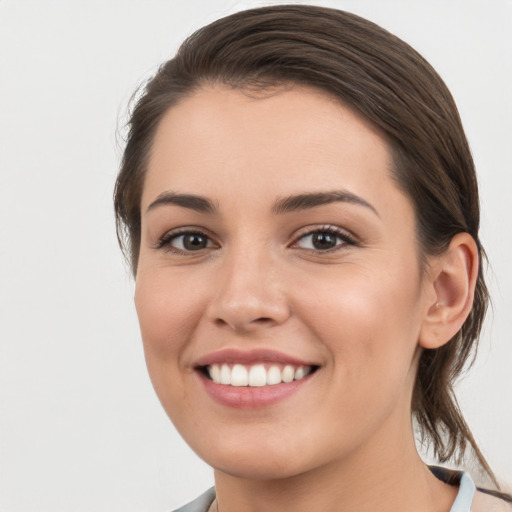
[(453, 279)]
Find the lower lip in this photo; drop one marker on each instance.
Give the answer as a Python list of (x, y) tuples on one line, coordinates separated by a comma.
[(249, 397)]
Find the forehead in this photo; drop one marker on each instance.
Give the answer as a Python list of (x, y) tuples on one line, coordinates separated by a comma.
[(221, 140)]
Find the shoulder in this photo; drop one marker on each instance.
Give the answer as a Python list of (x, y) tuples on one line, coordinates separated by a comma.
[(484, 502)]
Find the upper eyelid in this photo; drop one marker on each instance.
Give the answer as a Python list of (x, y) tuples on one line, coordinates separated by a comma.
[(175, 232), (309, 230)]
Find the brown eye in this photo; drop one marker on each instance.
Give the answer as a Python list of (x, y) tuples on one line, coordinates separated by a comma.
[(194, 241), (324, 240), (189, 241)]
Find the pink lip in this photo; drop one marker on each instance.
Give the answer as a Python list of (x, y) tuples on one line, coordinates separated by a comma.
[(247, 397), (234, 355), (251, 397)]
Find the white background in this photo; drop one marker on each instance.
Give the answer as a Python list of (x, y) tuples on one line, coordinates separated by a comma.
[(81, 429)]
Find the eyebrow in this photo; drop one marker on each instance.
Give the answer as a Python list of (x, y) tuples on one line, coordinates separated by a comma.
[(192, 202), (283, 205), (312, 200)]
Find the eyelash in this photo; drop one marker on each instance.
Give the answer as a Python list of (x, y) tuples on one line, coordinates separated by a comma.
[(339, 233), (165, 242)]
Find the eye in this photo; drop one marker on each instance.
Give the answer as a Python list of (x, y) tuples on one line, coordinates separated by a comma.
[(324, 239), (185, 241)]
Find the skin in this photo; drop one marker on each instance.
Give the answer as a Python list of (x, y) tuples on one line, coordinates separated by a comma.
[(362, 312)]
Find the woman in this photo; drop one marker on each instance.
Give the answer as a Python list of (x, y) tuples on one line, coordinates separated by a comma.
[(300, 208)]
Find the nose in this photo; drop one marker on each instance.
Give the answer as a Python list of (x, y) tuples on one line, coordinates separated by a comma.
[(249, 295)]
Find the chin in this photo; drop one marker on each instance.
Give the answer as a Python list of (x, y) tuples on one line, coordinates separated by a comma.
[(256, 466), (261, 457)]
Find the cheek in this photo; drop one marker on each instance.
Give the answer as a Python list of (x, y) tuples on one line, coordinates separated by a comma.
[(371, 333), (167, 315), (168, 318), (369, 319)]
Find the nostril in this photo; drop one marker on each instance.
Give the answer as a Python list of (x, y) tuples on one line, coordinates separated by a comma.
[(263, 321)]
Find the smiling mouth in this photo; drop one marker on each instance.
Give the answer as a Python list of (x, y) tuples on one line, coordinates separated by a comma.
[(255, 375)]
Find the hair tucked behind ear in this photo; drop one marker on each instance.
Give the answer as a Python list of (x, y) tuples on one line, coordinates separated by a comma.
[(391, 85)]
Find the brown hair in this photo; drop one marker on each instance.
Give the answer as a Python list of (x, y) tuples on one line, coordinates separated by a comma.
[(388, 83)]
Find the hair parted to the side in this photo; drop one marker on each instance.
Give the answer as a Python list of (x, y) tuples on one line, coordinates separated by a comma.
[(388, 83)]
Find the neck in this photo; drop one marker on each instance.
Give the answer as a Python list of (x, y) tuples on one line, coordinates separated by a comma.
[(386, 474)]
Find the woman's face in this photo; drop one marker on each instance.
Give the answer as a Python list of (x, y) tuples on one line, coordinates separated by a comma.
[(276, 243)]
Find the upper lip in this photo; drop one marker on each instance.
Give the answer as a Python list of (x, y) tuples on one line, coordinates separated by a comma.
[(234, 355)]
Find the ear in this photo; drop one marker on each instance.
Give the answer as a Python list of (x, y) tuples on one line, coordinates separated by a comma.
[(452, 279)]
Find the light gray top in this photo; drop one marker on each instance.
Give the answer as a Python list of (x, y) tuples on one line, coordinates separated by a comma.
[(462, 502), (201, 504)]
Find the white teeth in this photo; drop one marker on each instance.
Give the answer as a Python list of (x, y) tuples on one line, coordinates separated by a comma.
[(288, 373), (255, 375), (273, 375), (300, 373), (225, 374), (215, 373), (239, 376)]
